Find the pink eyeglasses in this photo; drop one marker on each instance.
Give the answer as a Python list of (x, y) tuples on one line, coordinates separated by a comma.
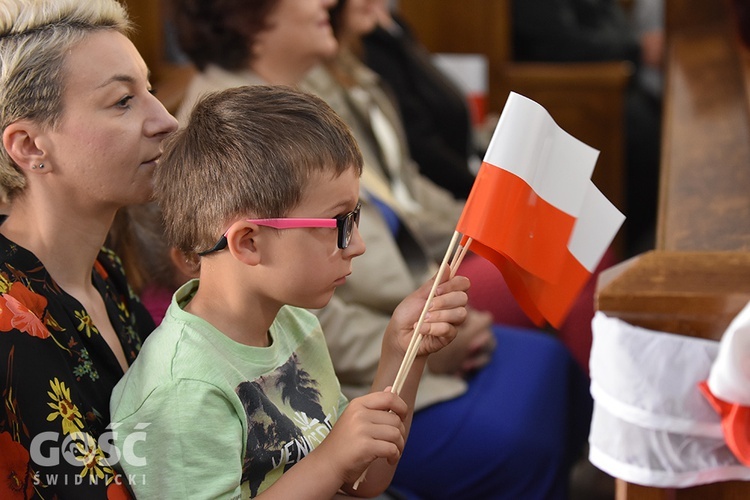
[(344, 223)]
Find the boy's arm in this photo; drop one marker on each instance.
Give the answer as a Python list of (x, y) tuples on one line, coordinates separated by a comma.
[(371, 433), (371, 427), (185, 441), (446, 313)]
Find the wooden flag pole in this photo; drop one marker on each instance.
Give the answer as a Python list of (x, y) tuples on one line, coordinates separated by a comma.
[(416, 338), (459, 257)]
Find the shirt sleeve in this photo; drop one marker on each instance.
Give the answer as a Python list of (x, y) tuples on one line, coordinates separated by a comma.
[(184, 441)]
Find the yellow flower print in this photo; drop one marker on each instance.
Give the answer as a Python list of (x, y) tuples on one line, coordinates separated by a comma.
[(4, 283), (64, 408), (86, 323), (91, 456)]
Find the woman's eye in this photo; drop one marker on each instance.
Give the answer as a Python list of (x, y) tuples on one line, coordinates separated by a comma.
[(125, 101)]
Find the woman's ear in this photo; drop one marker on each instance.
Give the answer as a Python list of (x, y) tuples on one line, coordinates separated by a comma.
[(20, 140), (242, 242)]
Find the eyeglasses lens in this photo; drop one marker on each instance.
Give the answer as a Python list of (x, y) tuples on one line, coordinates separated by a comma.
[(347, 228)]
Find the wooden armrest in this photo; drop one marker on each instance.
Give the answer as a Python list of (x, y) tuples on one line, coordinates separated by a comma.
[(688, 293)]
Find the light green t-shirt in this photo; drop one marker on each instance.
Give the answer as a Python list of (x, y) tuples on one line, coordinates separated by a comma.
[(201, 416)]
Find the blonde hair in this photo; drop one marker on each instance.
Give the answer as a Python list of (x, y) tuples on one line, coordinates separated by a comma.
[(35, 37)]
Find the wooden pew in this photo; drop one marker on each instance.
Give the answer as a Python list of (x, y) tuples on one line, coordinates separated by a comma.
[(698, 278), (585, 99)]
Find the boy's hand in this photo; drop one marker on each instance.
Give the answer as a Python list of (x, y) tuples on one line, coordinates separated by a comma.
[(446, 312), (371, 427)]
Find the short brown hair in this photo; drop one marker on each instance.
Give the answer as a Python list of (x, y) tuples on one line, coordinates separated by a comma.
[(221, 32), (247, 151)]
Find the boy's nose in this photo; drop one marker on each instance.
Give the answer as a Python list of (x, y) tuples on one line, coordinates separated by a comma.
[(356, 244)]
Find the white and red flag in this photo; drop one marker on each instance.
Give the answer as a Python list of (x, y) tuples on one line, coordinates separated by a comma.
[(534, 212)]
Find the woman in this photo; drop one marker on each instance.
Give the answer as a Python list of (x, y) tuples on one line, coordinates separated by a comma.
[(82, 136), (248, 43)]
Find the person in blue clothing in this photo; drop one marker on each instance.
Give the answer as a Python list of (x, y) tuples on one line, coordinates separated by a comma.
[(502, 412)]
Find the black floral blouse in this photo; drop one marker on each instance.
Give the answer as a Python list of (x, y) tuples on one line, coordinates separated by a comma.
[(56, 377)]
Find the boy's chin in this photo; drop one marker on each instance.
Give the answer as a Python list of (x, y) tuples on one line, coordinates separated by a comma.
[(319, 302)]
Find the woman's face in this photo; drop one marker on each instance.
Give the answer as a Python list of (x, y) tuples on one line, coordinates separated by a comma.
[(301, 31), (359, 17), (108, 140)]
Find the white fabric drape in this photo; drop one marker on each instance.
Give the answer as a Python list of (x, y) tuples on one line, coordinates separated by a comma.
[(651, 425)]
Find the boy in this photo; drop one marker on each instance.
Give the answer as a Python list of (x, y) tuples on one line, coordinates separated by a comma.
[(237, 386)]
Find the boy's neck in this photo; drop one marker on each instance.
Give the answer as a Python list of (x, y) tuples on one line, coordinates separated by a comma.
[(233, 310)]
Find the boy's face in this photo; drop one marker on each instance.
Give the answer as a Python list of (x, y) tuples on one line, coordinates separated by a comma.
[(305, 265)]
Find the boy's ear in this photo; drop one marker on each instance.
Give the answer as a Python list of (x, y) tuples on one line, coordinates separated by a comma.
[(242, 242), (21, 141)]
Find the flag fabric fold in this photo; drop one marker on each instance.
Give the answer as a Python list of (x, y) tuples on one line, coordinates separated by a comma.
[(534, 212), (728, 386)]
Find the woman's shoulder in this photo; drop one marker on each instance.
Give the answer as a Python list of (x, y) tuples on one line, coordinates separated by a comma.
[(212, 79)]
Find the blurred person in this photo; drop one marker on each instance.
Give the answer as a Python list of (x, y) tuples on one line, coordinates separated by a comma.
[(647, 17), (249, 43), (584, 30), (417, 220), (434, 111)]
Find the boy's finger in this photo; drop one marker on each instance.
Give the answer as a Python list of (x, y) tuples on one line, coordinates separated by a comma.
[(386, 401), (457, 283)]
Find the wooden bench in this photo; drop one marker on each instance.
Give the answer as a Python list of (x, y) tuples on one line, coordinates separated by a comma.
[(698, 278)]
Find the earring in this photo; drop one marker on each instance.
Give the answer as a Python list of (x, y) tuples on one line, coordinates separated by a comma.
[(40, 166)]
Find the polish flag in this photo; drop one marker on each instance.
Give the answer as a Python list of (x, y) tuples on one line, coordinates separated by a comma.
[(534, 212)]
